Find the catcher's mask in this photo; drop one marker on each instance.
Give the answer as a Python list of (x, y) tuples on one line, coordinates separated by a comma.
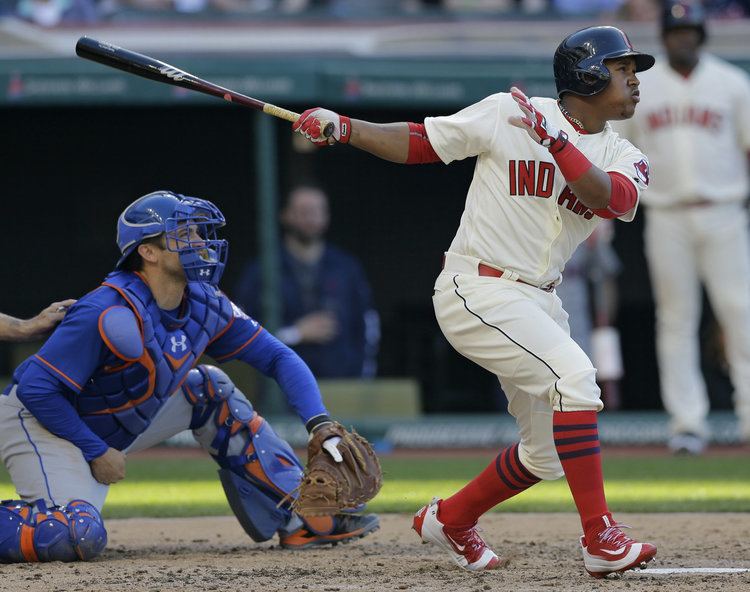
[(174, 215)]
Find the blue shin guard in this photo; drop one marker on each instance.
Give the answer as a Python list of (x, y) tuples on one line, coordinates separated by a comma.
[(34, 532), (258, 468)]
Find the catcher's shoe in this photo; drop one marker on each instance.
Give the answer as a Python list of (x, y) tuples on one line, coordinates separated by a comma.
[(330, 530), (464, 545), (608, 550)]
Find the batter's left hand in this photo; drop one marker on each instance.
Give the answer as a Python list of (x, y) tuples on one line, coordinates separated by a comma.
[(536, 124), (46, 320), (313, 121)]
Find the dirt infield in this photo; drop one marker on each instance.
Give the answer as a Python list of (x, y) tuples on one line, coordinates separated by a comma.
[(159, 555)]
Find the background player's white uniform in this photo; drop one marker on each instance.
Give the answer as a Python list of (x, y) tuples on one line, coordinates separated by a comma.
[(513, 326), (696, 131)]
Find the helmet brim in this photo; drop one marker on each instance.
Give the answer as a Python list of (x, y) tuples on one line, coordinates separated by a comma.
[(643, 61)]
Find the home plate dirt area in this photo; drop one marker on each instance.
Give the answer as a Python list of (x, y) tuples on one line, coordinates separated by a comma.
[(158, 555)]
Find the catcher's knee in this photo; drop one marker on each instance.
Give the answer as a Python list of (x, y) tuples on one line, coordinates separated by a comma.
[(31, 532), (258, 468)]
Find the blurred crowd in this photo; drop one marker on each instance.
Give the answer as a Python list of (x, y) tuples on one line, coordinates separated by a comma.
[(50, 13)]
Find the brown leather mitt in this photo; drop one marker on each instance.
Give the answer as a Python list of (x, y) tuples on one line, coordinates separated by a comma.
[(329, 486)]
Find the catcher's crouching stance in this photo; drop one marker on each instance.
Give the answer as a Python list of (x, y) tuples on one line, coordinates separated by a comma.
[(262, 477), (119, 376)]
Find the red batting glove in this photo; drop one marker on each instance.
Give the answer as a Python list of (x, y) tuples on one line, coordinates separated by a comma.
[(312, 123), (536, 124)]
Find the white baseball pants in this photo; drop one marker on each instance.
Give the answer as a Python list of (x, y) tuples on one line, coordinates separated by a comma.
[(687, 246), (519, 333)]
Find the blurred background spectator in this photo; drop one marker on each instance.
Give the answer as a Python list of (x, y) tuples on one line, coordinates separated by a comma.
[(327, 312)]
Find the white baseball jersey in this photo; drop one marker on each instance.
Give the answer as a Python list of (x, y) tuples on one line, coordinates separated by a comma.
[(695, 130), (520, 215)]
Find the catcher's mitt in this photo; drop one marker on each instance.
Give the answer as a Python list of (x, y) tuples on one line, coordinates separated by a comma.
[(329, 486)]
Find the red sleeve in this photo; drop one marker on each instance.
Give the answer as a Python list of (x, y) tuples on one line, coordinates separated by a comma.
[(420, 149), (622, 198)]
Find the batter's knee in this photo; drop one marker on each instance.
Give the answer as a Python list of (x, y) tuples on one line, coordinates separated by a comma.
[(541, 459), (576, 391), (31, 532)]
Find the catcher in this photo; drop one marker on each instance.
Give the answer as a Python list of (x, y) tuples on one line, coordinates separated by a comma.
[(119, 375)]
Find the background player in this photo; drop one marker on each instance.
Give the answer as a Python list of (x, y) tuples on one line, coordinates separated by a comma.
[(694, 123), (535, 196), (117, 377), (12, 329)]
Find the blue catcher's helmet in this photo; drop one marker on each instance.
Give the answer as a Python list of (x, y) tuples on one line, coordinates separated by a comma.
[(579, 59), (171, 214)]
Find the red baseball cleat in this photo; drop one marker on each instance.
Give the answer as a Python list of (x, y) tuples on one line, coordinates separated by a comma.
[(464, 545), (607, 550)]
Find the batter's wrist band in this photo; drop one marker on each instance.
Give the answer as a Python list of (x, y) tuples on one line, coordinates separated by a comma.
[(570, 160), (420, 148), (316, 422), (345, 129)]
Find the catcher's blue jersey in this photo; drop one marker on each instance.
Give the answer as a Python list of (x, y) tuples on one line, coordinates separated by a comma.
[(99, 381)]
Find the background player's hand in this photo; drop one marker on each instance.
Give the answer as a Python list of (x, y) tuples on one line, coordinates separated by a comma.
[(317, 327), (46, 320), (313, 121), (533, 122), (109, 467)]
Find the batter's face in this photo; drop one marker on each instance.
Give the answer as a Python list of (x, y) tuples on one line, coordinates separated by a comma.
[(682, 46), (621, 95), (306, 215)]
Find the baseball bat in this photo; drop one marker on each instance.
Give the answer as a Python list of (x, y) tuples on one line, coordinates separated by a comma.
[(153, 69)]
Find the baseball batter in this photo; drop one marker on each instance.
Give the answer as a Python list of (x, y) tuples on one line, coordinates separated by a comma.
[(547, 172), (119, 375), (694, 123)]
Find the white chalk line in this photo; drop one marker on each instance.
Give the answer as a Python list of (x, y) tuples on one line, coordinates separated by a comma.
[(659, 571)]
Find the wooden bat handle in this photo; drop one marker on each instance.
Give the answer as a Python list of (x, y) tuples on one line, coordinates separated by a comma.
[(282, 113)]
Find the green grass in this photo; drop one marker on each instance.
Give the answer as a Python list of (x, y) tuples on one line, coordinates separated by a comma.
[(189, 487)]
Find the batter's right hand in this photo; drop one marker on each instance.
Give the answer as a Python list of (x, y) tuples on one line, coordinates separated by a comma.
[(109, 467), (313, 121)]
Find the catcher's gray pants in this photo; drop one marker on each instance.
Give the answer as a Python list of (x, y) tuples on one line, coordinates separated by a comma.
[(41, 465)]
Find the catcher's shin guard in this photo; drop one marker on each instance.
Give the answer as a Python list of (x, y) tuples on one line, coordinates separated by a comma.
[(35, 532), (258, 468)]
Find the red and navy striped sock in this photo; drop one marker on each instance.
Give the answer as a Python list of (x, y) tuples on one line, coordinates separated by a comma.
[(503, 478), (577, 443)]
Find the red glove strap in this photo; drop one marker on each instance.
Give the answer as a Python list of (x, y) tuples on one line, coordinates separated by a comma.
[(420, 149), (571, 161), (345, 129), (622, 197)]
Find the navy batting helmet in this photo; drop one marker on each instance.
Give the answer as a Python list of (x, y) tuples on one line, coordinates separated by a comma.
[(579, 59), (172, 214), (681, 14)]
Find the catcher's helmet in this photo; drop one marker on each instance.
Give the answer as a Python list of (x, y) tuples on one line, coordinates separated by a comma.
[(171, 213), (579, 59), (680, 14)]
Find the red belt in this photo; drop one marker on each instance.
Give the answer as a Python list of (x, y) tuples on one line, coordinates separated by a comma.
[(701, 203), (489, 271)]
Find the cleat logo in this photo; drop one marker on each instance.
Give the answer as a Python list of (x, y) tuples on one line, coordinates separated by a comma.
[(455, 545), (617, 552)]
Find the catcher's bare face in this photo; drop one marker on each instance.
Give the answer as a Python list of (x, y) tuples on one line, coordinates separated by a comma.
[(621, 95)]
